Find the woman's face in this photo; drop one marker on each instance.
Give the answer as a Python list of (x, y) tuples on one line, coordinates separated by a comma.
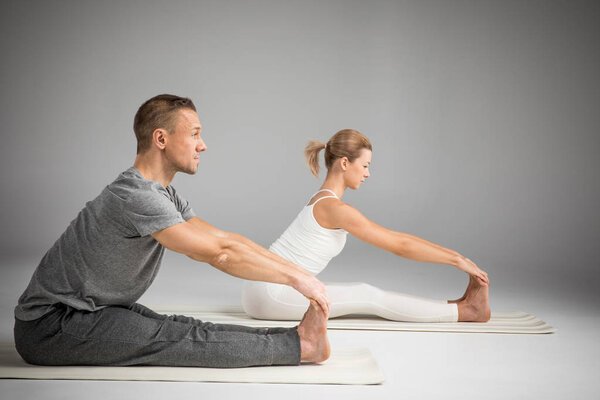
[(357, 171)]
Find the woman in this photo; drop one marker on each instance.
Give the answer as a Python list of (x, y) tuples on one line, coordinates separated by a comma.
[(319, 233)]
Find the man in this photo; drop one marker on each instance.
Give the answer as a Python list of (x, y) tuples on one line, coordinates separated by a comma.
[(79, 307)]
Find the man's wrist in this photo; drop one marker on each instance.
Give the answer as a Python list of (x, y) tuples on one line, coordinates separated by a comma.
[(296, 279)]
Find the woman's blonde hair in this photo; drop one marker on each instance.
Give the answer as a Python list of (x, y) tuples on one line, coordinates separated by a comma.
[(345, 143)]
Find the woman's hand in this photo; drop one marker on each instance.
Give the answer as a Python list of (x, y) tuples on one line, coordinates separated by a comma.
[(464, 264)]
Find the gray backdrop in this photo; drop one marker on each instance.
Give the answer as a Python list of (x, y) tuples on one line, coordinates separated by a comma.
[(483, 116)]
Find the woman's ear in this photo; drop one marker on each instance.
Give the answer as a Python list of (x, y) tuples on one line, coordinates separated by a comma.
[(344, 163)]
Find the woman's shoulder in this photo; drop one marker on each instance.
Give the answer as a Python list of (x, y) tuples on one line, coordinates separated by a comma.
[(320, 198), (331, 212)]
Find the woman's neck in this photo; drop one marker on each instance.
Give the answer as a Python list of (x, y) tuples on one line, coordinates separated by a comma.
[(335, 184)]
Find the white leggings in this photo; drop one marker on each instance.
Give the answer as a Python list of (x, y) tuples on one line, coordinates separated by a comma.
[(271, 301)]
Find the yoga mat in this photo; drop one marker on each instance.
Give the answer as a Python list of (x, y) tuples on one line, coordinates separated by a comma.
[(500, 322), (345, 366)]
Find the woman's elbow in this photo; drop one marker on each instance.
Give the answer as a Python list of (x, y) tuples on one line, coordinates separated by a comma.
[(403, 247)]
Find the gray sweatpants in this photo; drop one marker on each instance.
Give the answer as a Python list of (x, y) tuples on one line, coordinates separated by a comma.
[(139, 336)]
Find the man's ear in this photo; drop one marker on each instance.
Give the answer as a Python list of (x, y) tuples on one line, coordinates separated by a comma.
[(159, 138)]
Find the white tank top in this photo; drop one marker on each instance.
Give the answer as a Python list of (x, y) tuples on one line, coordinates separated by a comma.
[(308, 244)]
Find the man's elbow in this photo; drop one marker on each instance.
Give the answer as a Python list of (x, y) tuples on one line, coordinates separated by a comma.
[(216, 252), (226, 260), (221, 260), (221, 255)]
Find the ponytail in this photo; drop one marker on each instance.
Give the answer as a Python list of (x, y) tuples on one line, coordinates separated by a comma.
[(311, 154), (345, 143)]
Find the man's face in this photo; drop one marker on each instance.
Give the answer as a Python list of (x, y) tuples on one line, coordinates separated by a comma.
[(184, 144)]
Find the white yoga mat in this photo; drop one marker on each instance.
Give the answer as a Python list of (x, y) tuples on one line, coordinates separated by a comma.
[(345, 366), (500, 322)]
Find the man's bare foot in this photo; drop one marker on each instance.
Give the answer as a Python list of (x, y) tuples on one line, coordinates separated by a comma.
[(476, 305), (464, 296), (312, 330)]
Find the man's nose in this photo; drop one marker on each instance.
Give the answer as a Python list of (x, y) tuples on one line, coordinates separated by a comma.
[(200, 146)]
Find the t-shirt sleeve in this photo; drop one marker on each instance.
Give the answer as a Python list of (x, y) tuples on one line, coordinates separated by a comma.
[(150, 211), (182, 205)]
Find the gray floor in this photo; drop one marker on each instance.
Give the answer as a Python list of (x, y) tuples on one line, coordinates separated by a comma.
[(417, 365)]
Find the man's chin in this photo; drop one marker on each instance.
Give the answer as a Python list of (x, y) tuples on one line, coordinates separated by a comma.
[(189, 171)]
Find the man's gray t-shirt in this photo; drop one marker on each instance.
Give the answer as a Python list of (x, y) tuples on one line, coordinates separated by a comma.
[(106, 257)]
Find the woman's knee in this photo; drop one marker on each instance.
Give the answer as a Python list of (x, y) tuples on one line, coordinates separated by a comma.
[(254, 303), (353, 290), (259, 304)]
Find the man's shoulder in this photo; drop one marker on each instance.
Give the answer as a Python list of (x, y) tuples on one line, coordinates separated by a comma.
[(130, 185)]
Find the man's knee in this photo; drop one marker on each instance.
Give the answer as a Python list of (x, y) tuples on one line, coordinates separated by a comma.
[(37, 345)]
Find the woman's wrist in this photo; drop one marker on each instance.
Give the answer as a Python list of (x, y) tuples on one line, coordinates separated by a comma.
[(457, 258)]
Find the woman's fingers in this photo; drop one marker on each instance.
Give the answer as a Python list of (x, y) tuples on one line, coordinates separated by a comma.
[(483, 275), (485, 279), (472, 269)]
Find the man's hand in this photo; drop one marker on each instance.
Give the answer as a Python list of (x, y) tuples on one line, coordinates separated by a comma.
[(240, 257), (313, 289)]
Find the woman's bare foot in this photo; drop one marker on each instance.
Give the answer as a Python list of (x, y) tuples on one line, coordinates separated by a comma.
[(464, 296), (476, 305), (312, 330)]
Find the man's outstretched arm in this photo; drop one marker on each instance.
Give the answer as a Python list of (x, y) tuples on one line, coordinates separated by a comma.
[(230, 254), (197, 222)]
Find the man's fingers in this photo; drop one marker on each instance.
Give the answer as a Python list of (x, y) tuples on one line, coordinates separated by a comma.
[(323, 305)]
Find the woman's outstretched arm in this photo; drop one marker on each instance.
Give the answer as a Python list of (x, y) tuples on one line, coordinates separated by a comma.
[(338, 214)]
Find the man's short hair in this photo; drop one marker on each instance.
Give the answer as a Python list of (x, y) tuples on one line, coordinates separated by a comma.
[(158, 112)]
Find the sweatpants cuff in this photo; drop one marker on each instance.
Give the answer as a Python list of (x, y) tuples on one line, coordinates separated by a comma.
[(286, 346)]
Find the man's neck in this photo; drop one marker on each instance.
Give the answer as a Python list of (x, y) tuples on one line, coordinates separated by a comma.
[(152, 168)]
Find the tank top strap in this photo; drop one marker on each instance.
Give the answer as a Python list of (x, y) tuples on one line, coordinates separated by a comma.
[(324, 190), (324, 197)]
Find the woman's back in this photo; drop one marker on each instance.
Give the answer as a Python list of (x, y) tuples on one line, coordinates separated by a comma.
[(308, 244)]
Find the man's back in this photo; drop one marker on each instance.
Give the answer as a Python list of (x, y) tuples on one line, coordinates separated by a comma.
[(106, 255)]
